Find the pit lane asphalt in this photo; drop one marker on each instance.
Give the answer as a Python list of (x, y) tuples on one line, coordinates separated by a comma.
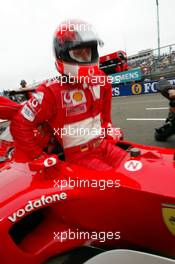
[(141, 131)]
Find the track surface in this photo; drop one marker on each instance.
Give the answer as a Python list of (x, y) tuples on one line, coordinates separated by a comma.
[(137, 107)]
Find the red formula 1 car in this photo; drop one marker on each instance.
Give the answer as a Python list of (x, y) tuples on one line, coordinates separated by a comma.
[(49, 207), (114, 62)]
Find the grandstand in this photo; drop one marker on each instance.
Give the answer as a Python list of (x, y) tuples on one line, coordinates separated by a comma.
[(152, 65)]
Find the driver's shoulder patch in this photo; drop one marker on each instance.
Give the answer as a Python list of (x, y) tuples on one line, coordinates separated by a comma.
[(28, 113), (33, 106)]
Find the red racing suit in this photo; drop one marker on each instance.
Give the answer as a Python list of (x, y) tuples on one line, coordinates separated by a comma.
[(75, 112)]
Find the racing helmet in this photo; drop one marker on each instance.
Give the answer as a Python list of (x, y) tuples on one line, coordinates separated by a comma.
[(76, 49)]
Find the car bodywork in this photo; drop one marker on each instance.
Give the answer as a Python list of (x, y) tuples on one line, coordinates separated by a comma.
[(34, 207), (44, 209)]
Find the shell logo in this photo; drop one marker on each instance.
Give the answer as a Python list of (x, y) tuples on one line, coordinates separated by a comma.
[(78, 96), (136, 88)]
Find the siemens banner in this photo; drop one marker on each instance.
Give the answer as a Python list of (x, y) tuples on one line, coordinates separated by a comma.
[(126, 76), (136, 89)]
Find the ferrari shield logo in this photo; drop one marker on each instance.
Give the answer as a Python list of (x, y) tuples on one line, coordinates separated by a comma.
[(168, 212)]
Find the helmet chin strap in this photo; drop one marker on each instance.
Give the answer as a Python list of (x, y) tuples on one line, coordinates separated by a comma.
[(75, 73), (70, 70)]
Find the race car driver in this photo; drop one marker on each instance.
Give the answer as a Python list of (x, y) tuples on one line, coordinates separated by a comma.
[(76, 102), (168, 129)]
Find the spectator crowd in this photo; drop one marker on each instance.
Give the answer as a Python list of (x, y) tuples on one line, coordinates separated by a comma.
[(153, 63)]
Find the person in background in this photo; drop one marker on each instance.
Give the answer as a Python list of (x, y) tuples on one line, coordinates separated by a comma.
[(168, 129), (23, 84), (122, 64)]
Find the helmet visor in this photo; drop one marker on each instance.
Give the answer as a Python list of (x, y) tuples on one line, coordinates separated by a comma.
[(83, 54)]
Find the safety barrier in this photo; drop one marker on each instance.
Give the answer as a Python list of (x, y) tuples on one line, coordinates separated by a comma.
[(136, 88)]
